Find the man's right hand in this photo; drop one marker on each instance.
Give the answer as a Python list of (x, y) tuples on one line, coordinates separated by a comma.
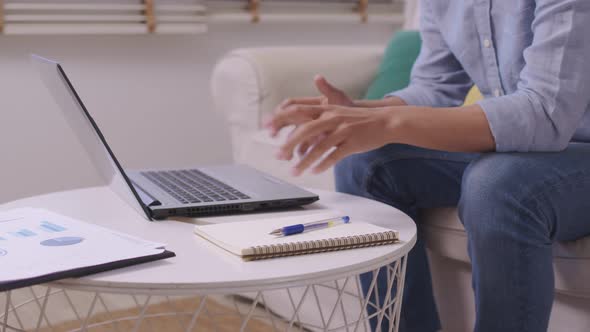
[(329, 95)]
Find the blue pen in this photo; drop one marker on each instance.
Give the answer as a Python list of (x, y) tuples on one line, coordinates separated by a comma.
[(300, 228)]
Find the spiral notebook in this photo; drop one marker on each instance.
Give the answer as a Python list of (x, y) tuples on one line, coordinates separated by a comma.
[(251, 241)]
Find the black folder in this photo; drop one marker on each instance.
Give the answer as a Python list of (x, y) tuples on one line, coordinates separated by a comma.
[(82, 271)]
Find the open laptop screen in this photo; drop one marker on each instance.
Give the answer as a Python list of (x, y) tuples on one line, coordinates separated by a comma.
[(88, 133)]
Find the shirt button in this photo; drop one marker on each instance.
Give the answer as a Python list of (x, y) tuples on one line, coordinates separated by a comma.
[(497, 93), (487, 43)]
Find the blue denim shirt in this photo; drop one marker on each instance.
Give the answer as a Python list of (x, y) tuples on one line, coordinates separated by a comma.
[(529, 58)]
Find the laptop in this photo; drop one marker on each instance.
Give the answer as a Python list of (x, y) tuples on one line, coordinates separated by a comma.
[(158, 194)]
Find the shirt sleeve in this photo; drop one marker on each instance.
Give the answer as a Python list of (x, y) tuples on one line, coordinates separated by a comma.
[(553, 90), (437, 79)]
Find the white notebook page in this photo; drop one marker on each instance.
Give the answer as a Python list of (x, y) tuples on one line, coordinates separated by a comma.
[(239, 236)]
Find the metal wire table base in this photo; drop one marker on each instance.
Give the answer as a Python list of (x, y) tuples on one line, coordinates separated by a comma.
[(339, 305)]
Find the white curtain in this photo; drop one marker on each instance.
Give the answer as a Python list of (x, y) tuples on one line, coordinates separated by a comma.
[(412, 15)]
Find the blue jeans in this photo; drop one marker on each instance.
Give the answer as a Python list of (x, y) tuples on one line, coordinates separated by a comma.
[(513, 207)]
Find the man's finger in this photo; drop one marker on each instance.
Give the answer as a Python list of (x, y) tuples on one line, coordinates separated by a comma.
[(326, 88), (334, 95), (294, 115), (304, 147), (290, 102), (300, 101), (331, 159), (318, 150), (304, 132)]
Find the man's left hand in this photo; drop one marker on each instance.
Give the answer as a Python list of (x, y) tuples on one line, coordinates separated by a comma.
[(343, 130)]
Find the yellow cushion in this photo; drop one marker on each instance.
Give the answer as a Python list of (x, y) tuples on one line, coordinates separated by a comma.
[(473, 96)]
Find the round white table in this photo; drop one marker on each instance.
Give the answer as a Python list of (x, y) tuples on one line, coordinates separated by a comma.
[(202, 269)]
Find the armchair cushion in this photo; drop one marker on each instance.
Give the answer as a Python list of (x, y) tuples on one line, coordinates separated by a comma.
[(396, 66), (446, 237)]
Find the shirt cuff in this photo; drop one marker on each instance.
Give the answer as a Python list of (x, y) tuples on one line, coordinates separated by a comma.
[(511, 121), (412, 95)]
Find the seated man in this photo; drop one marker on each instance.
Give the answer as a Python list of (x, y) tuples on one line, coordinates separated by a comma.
[(517, 163)]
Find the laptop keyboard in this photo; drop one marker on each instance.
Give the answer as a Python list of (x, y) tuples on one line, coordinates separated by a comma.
[(193, 186)]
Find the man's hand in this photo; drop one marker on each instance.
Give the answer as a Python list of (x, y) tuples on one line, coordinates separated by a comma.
[(334, 132), (343, 130), (329, 95)]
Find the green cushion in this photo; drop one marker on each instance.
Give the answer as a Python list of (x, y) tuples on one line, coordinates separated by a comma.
[(395, 68)]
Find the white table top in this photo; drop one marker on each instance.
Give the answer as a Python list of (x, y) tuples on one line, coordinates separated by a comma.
[(203, 268)]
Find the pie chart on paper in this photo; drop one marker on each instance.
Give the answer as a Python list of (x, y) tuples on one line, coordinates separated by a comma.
[(62, 241)]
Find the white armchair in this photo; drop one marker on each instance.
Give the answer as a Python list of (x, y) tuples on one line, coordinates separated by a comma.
[(249, 83)]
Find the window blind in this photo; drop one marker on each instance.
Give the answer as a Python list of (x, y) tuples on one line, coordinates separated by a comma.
[(180, 16), (327, 11), (103, 16)]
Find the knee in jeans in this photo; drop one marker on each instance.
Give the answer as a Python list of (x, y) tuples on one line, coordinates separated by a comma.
[(489, 191), (383, 170), (351, 172)]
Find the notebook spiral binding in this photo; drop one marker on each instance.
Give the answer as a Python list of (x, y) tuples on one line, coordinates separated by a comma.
[(325, 245)]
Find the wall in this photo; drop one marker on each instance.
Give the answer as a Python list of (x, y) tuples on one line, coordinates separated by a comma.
[(149, 94)]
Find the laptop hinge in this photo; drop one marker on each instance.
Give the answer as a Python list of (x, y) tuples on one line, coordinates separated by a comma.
[(145, 197)]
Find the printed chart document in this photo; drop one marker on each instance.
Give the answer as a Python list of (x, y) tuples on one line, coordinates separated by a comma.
[(38, 246)]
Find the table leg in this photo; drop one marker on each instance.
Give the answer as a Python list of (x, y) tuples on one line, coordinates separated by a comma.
[(402, 278), (6, 311)]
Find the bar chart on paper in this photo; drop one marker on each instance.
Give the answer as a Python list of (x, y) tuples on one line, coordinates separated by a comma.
[(51, 228), (23, 233), (44, 226)]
